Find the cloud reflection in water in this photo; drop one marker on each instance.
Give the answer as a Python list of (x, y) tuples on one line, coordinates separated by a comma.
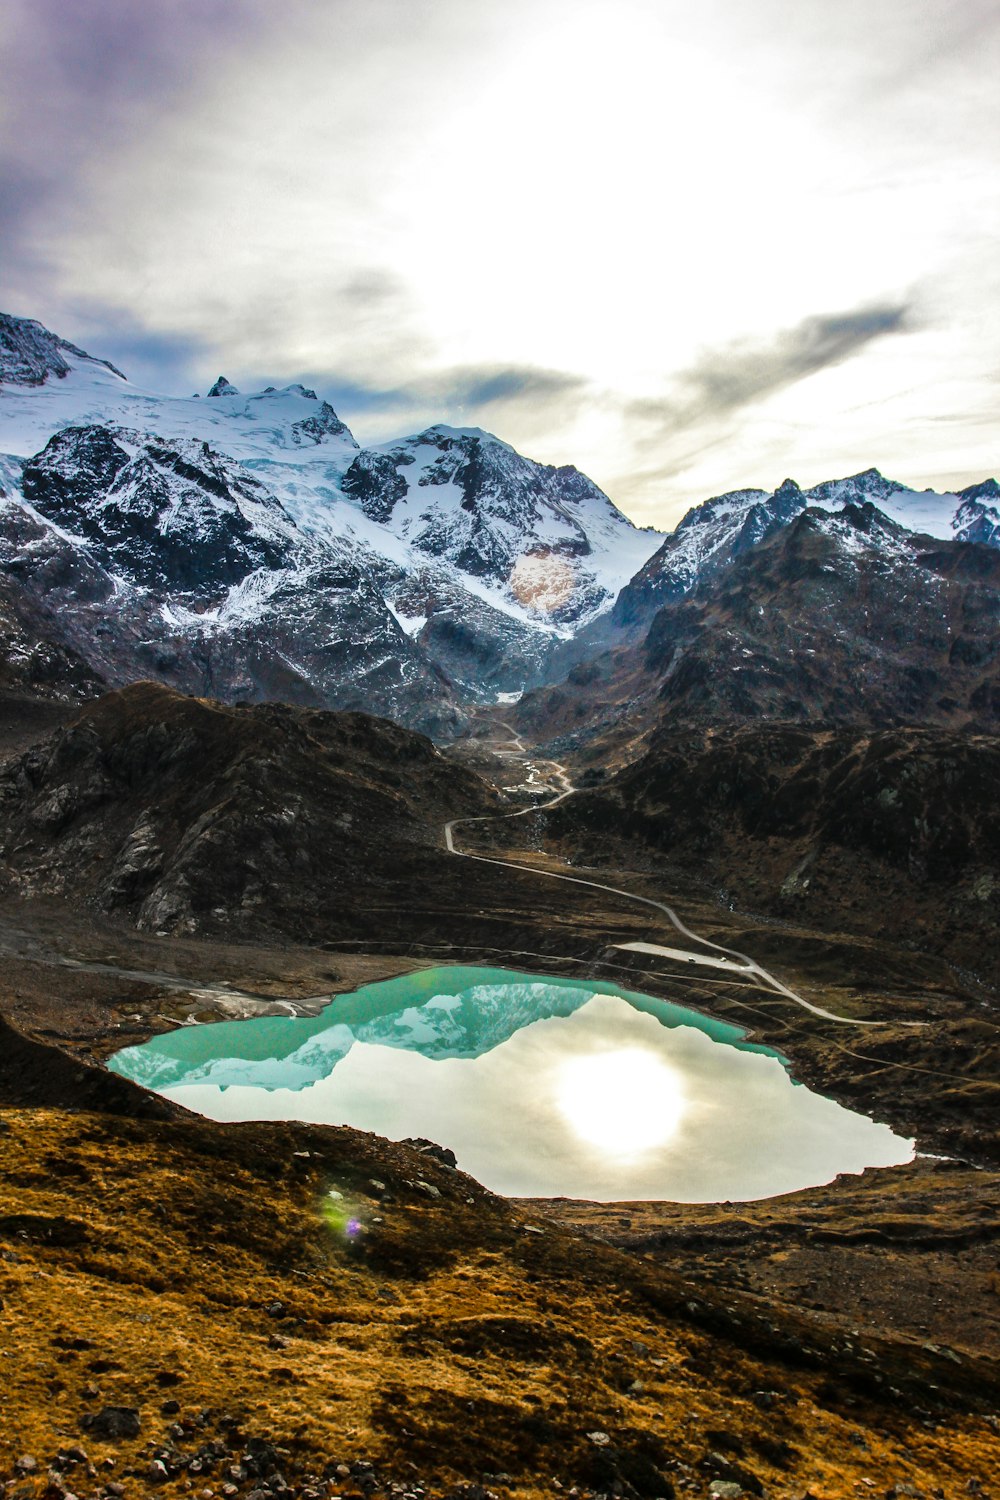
[(606, 1103)]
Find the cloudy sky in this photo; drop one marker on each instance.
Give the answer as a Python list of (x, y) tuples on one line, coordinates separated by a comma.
[(688, 245)]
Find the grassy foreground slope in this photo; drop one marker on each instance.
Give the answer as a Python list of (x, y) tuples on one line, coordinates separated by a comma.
[(270, 1308)]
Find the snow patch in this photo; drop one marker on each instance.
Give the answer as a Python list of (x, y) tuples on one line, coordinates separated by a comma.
[(410, 625)]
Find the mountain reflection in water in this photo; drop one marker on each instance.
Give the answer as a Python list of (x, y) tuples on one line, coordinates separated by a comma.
[(541, 1086)]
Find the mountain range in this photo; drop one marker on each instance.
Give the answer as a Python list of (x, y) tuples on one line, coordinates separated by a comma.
[(839, 617), (243, 546), (718, 531)]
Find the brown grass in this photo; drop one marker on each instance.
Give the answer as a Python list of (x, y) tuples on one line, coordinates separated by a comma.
[(142, 1262)]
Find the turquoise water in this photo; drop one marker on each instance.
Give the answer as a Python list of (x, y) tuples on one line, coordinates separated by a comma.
[(541, 1087)]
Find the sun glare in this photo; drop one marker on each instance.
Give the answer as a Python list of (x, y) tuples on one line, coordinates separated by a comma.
[(543, 583), (622, 1102)]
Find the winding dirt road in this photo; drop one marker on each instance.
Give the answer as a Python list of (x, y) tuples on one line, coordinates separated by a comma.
[(732, 959), (237, 1002)]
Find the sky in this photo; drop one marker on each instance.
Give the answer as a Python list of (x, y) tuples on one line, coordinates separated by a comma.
[(688, 245)]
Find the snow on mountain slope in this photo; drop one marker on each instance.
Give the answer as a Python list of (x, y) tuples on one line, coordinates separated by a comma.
[(978, 517), (469, 564), (243, 545), (543, 542), (133, 541), (313, 632), (175, 517), (30, 354), (289, 425), (714, 533), (925, 512)]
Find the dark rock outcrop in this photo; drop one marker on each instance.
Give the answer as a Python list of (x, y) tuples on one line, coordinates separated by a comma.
[(177, 517), (189, 816), (892, 832), (223, 387)]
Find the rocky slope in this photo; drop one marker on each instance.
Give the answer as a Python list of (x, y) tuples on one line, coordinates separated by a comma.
[(193, 1309), (716, 532), (82, 610), (180, 517), (322, 1309), (894, 833), (186, 816), (842, 618)]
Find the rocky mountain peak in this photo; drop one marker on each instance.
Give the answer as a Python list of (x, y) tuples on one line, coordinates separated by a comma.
[(712, 535), (166, 515), (979, 514), (29, 353), (986, 489), (545, 538), (870, 484), (223, 387), (324, 423)]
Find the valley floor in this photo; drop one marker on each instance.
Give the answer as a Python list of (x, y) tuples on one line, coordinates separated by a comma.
[(836, 1342)]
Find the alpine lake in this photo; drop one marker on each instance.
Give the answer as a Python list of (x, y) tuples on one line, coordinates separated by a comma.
[(542, 1087)]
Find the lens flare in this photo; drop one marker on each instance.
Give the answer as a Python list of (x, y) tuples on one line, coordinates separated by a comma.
[(341, 1217)]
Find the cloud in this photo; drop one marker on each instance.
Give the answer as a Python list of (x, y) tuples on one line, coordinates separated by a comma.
[(674, 442), (474, 386), (463, 395), (113, 54), (370, 287), (89, 77), (151, 358), (724, 380), (344, 194)]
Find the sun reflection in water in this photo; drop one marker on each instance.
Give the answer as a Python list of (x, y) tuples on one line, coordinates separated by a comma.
[(623, 1102)]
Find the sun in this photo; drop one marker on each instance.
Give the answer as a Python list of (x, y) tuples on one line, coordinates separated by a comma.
[(623, 1102)]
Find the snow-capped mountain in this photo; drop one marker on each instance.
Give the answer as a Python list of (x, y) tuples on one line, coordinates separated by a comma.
[(68, 388), (842, 616), (228, 527), (244, 546), (29, 354), (548, 536), (717, 531), (314, 632), (175, 516), (838, 616)]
